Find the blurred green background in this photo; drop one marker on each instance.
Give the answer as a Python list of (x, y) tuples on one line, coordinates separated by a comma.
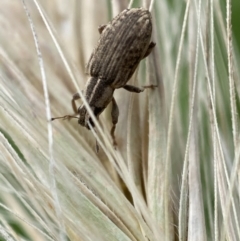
[(236, 21)]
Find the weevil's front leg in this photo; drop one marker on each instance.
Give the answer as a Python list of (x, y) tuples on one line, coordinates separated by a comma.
[(132, 88), (101, 28), (114, 114), (75, 97), (149, 50)]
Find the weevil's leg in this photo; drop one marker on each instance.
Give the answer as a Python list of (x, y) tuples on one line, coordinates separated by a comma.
[(149, 50), (132, 88), (135, 89), (74, 106), (101, 28), (114, 114), (149, 86)]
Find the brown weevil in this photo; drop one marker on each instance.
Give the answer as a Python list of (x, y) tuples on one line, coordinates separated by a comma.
[(123, 43)]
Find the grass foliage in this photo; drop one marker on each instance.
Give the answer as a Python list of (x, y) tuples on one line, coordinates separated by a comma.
[(175, 172)]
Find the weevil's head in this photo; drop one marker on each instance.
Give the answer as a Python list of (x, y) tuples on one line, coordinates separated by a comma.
[(84, 117)]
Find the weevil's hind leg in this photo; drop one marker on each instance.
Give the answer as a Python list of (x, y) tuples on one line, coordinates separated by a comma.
[(114, 114), (149, 50), (135, 89), (132, 88), (101, 28)]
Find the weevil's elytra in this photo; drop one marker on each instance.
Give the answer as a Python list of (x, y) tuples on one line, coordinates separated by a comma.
[(123, 43), (121, 46)]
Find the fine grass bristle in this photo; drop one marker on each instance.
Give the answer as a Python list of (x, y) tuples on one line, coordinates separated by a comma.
[(173, 172)]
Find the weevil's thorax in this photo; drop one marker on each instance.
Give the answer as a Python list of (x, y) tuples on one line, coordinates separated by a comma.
[(98, 94)]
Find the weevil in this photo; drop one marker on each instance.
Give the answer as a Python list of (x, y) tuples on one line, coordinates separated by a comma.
[(123, 43)]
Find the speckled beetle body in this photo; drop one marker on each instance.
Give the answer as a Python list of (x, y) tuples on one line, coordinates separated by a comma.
[(123, 43)]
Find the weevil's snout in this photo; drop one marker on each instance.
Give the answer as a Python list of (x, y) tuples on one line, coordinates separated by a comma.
[(88, 120), (84, 118)]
